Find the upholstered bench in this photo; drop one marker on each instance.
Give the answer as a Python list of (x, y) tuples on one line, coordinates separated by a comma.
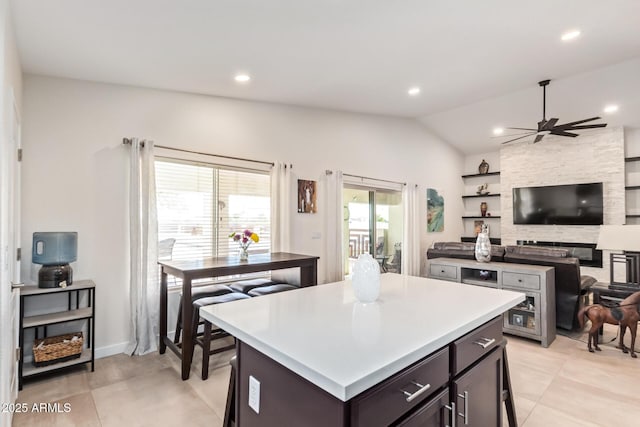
[(245, 286), (198, 292), (244, 289), (271, 289), (210, 333)]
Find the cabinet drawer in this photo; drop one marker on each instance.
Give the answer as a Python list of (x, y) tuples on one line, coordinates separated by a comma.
[(520, 280), (430, 414), (386, 402), (476, 344), (442, 271)]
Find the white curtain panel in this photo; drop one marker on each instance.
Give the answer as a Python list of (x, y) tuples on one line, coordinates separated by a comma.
[(411, 232), (281, 207), (144, 288), (333, 256)]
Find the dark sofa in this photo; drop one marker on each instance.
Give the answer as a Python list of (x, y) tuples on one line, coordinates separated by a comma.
[(571, 287)]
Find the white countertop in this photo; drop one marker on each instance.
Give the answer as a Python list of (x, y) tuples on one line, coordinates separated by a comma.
[(325, 335)]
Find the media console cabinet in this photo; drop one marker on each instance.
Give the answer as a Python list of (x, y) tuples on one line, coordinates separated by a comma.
[(317, 357), (535, 317)]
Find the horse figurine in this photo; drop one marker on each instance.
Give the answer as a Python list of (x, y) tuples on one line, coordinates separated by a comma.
[(625, 315)]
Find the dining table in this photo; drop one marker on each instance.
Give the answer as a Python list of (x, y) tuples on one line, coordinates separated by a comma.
[(189, 270)]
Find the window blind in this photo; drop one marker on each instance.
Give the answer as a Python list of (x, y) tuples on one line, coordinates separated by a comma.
[(200, 204)]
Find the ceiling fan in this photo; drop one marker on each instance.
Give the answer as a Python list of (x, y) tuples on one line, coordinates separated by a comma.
[(549, 127)]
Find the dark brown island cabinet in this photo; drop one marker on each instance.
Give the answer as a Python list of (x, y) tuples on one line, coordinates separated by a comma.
[(459, 385)]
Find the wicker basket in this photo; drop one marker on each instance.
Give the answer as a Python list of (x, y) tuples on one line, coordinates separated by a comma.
[(57, 349)]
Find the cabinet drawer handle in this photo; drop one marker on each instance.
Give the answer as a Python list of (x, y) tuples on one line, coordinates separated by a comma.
[(485, 342), (465, 413), (422, 389), (452, 408)]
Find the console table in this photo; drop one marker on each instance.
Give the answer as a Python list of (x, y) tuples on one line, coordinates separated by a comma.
[(215, 267), (326, 359), (534, 318)]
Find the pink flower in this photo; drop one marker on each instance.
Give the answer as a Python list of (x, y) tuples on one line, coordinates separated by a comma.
[(245, 239), (236, 237), (248, 233)]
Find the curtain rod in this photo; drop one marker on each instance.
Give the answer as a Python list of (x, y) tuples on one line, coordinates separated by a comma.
[(374, 179), (128, 141)]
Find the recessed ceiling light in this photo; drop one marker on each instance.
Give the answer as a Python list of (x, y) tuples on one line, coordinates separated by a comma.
[(242, 78), (609, 109), (498, 131), (414, 91), (570, 35)]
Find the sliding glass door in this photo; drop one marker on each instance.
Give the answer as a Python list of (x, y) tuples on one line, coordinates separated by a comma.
[(372, 224)]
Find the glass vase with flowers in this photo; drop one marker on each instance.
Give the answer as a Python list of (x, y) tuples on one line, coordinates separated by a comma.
[(244, 239)]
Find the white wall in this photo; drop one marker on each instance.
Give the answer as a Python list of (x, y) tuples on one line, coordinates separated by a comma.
[(74, 167)]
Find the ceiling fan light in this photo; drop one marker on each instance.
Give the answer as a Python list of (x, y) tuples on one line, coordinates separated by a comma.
[(610, 109), (414, 91), (498, 131), (570, 35)]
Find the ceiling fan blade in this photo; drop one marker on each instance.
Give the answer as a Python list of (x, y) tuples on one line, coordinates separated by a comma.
[(549, 124), (538, 138), (514, 134), (533, 130), (561, 132), (565, 125), (599, 125), (520, 137), (541, 124)]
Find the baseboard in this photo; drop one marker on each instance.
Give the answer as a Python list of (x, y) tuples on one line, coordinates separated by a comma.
[(110, 350)]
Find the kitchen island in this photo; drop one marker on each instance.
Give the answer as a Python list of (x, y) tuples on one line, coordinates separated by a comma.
[(317, 357)]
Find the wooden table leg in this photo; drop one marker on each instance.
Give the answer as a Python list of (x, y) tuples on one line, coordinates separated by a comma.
[(309, 274), (187, 327), (163, 311)]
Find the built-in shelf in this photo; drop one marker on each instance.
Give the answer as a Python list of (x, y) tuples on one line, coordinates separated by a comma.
[(480, 282), (481, 217), (481, 195), (29, 369), (633, 216), (632, 159), (632, 187), (51, 318), (522, 309), (481, 174)]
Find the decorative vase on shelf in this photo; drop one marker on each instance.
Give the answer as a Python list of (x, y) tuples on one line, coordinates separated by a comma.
[(483, 208), (483, 168), (366, 279), (244, 254), (483, 245)]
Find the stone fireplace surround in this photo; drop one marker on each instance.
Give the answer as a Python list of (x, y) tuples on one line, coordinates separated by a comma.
[(596, 156)]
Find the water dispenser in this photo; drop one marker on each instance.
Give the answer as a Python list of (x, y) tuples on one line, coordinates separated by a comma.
[(54, 251)]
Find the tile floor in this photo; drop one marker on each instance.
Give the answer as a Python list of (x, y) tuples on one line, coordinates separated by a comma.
[(563, 385)]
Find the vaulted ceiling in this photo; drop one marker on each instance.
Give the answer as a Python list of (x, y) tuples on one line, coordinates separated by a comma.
[(477, 63)]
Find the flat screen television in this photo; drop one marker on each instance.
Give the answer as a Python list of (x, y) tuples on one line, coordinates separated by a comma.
[(575, 204)]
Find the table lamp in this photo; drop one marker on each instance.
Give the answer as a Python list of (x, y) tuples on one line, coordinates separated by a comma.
[(625, 238)]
